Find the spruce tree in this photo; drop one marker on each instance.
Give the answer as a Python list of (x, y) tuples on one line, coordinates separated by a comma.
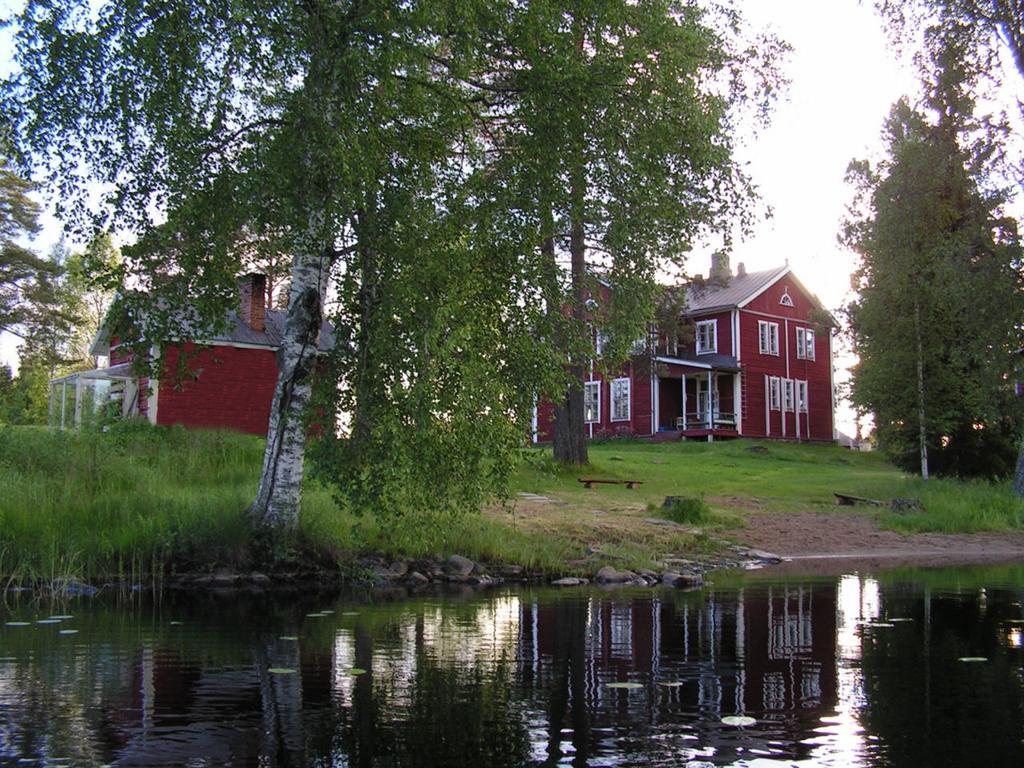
[(936, 324)]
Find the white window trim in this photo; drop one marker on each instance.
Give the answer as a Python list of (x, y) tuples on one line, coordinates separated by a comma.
[(714, 337), (774, 393), (629, 400), (587, 385), (788, 396), (801, 396), (772, 337), (805, 343)]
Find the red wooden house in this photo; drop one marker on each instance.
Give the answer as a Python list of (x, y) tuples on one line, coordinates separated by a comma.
[(759, 365), (229, 382)]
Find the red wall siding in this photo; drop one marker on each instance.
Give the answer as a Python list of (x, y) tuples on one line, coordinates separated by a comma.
[(817, 424), (640, 405), (724, 333), (230, 388)]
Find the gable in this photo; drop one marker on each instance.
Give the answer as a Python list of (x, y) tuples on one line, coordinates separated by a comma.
[(788, 298)]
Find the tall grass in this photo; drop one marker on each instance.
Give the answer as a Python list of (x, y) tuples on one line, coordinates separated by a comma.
[(129, 502), (137, 502)]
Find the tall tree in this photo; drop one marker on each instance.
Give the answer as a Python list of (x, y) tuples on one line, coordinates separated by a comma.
[(613, 125), (335, 128), (19, 266), (234, 117), (939, 259)]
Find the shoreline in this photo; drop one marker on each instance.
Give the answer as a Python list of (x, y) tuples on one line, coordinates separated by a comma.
[(802, 544)]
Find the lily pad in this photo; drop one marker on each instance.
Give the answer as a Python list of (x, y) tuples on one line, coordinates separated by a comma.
[(670, 683), (176, 623), (19, 623), (740, 721), (880, 624), (281, 671), (289, 637), (357, 671), (1015, 621), (62, 617), (627, 686), (899, 620), (68, 632), (972, 659), (350, 613), (48, 621), (316, 615)]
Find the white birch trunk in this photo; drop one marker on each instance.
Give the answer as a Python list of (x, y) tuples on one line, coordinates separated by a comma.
[(922, 431), (277, 501)]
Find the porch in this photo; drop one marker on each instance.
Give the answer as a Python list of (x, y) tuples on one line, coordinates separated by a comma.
[(80, 397), (696, 404)]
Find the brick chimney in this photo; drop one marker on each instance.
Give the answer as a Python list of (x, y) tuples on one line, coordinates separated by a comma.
[(720, 269), (741, 269), (252, 289)]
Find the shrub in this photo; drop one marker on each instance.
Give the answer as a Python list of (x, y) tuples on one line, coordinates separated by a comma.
[(687, 510)]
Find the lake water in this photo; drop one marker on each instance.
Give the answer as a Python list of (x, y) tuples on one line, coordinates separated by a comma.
[(847, 671)]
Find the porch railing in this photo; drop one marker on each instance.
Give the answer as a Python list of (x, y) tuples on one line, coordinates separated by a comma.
[(720, 420)]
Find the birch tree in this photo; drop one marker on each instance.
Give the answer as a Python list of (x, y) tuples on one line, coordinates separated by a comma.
[(188, 123)]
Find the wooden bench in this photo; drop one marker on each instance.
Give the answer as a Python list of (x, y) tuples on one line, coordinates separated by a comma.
[(846, 500), (589, 482)]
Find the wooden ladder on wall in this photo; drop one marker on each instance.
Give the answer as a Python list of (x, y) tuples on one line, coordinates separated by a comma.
[(743, 396)]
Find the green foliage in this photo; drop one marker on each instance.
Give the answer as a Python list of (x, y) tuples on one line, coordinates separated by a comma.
[(19, 266), (938, 320), (426, 150), (687, 510), (132, 500), (615, 144)]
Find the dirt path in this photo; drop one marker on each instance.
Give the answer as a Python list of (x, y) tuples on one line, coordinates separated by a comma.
[(817, 541)]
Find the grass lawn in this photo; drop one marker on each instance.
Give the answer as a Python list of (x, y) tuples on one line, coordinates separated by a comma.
[(741, 477), (139, 501)]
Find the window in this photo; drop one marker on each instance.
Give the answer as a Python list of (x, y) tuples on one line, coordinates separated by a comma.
[(805, 343), (707, 337), (768, 334), (638, 347), (785, 299), (787, 394), (592, 402), (600, 342), (620, 400), (775, 396), (801, 396)]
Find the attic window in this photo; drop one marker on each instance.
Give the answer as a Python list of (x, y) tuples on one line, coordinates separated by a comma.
[(786, 301)]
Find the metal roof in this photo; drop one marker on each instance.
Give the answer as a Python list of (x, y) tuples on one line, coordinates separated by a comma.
[(237, 332), (740, 289)]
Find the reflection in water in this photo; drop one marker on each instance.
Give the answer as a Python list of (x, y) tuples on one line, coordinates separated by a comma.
[(847, 672)]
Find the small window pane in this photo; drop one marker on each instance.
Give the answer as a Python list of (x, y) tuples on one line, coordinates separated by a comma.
[(592, 401), (620, 400)]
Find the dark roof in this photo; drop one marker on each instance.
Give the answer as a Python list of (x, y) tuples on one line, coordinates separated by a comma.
[(239, 332), (717, 362), (236, 332), (740, 289)]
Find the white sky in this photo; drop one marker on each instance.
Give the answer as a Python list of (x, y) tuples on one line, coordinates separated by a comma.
[(844, 78)]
